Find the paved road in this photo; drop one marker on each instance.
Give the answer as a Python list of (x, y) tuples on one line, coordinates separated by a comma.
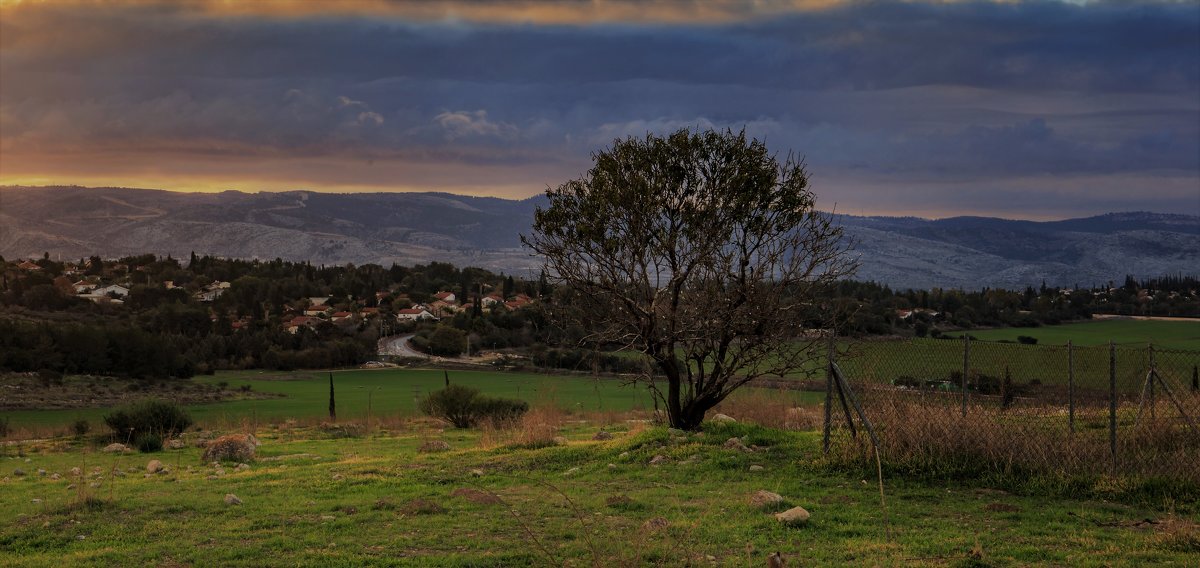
[(399, 347)]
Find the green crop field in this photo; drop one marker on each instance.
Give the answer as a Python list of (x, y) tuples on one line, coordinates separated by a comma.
[(389, 392), (1163, 334), (376, 500)]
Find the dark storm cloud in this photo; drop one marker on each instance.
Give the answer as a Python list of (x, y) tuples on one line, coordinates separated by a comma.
[(934, 91)]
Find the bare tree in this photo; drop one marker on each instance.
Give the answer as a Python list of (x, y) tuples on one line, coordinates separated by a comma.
[(700, 250)]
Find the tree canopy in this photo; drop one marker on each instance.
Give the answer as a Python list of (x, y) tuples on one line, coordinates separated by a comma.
[(699, 249)]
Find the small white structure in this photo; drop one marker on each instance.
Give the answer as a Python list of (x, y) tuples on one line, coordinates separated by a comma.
[(414, 314)]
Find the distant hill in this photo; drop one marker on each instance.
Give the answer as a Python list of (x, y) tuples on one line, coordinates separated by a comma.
[(407, 228)]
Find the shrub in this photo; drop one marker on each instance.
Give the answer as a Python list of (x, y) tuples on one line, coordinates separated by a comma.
[(464, 407), (81, 427), (235, 447), (149, 416), (1027, 340), (4, 427), (149, 443)]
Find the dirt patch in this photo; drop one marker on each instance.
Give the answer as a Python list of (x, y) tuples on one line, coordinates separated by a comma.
[(476, 496), (1002, 508), (422, 507)]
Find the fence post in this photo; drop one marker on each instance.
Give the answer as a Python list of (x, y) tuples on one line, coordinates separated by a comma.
[(966, 370), (1150, 376), (1112, 404), (1070, 386), (828, 394)]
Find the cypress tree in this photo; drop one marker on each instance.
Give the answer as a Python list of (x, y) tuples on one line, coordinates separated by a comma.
[(332, 406)]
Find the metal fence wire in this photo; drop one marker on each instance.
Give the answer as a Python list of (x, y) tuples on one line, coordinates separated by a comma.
[(1108, 409)]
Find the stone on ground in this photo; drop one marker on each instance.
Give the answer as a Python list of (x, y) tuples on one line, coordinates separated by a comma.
[(602, 435), (756, 467), (116, 448), (764, 498), (736, 444), (434, 446), (658, 459), (231, 499), (793, 516), (722, 418), (154, 466)]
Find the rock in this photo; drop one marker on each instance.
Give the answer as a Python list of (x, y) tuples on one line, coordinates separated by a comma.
[(235, 447), (722, 418), (571, 471), (241, 467), (231, 499), (736, 444), (93, 485), (175, 444), (55, 477), (35, 500), (70, 487), (154, 466), (477, 472), (560, 441), (116, 448), (602, 435), (612, 466), (658, 459), (763, 498), (18, 472), (623, 455), (41, 472), (76, 471), (756, 467), (337, 477), (433, 446), (793, 516)]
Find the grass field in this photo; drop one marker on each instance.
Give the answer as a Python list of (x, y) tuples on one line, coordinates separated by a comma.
[(1134, 333), (378, 501), (388, 392)]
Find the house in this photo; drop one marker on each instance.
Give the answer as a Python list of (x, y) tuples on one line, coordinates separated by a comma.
[(113, 290), (341, 316), (316, 310), (491, 300), (212, 291), (903, 314), (318, 301), (294, 325), (368, 312), (447, 297), (83, 286), (28, 265), (414, 314), (441, 308)]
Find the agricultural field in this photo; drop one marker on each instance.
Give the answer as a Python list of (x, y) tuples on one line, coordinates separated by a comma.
[(378, 499), (1124, 332), (392, 391)]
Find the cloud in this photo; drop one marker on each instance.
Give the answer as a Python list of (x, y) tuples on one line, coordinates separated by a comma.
[(466, 124), (887, 94)]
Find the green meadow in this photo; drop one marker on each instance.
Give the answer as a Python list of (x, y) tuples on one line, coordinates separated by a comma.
[(309, 500), (381, 392), (1131, 333)]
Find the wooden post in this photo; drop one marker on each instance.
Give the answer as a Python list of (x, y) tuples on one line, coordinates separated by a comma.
[(966, 371), (828, 395), (1112, 404), (1150, 380), (1070, 387)]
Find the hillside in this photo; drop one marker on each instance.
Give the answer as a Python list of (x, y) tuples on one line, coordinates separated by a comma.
[(407, 228)]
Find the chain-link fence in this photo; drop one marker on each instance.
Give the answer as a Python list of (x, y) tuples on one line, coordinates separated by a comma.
[(958, 403)]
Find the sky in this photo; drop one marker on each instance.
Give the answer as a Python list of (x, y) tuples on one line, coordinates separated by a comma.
[(1035, 110)]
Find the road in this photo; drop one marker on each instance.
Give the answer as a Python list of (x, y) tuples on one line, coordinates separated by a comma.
[(398, 346)]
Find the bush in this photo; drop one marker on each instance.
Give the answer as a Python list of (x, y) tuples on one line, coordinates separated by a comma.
[(234, 447), (149, 417), (1027, 340), (148, 443), (81, 427), (464, 407), (4, 427)]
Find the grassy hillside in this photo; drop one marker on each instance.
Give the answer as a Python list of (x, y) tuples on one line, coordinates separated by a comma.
[(377, 500)]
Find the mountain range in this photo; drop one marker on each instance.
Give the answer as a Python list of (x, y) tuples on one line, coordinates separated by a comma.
[(410, 228)]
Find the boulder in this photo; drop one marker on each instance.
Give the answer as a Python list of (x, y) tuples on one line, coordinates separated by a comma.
[(154, 466), (175, 444), (235, 447), (722, 418), (116, 448), (602, 435), (793, 516), (756, 467), (18, 472), (560, 441), (763, 498), (658, 459), (231, 499)]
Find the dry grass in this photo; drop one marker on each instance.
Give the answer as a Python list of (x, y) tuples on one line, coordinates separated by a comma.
[(927, 433), (772, 410), (536, 428)]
